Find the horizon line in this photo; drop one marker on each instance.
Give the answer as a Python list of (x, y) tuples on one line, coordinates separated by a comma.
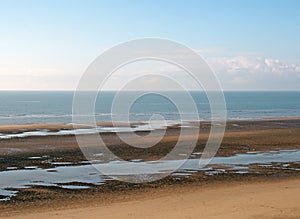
[(269, 90)]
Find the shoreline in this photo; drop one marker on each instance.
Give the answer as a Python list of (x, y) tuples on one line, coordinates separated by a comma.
[(240, 136), (7, 128)]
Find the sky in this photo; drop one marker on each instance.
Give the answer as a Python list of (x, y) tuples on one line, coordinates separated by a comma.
[(250, 45)]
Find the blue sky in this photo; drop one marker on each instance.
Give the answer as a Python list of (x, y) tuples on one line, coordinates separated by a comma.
[(250, 44)]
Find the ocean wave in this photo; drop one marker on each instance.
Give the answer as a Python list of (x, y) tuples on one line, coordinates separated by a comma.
[(20, 116)]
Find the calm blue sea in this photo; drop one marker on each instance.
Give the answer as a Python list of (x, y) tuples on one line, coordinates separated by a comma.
[(20, 107)]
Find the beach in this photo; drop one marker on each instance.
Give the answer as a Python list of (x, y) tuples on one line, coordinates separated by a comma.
[(254, 199), (256, 159)]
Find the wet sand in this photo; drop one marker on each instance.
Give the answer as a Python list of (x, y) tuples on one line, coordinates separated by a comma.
[(115, 198), (267, 199)]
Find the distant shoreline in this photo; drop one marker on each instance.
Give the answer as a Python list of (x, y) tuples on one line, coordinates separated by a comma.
[(55, 126), (70, 129)]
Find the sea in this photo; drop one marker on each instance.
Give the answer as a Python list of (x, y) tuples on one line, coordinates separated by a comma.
[(34, 107)]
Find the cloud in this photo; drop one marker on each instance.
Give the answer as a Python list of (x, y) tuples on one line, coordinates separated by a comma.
[(244, 72), (256, 72), (239, 72), (252, 65)]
